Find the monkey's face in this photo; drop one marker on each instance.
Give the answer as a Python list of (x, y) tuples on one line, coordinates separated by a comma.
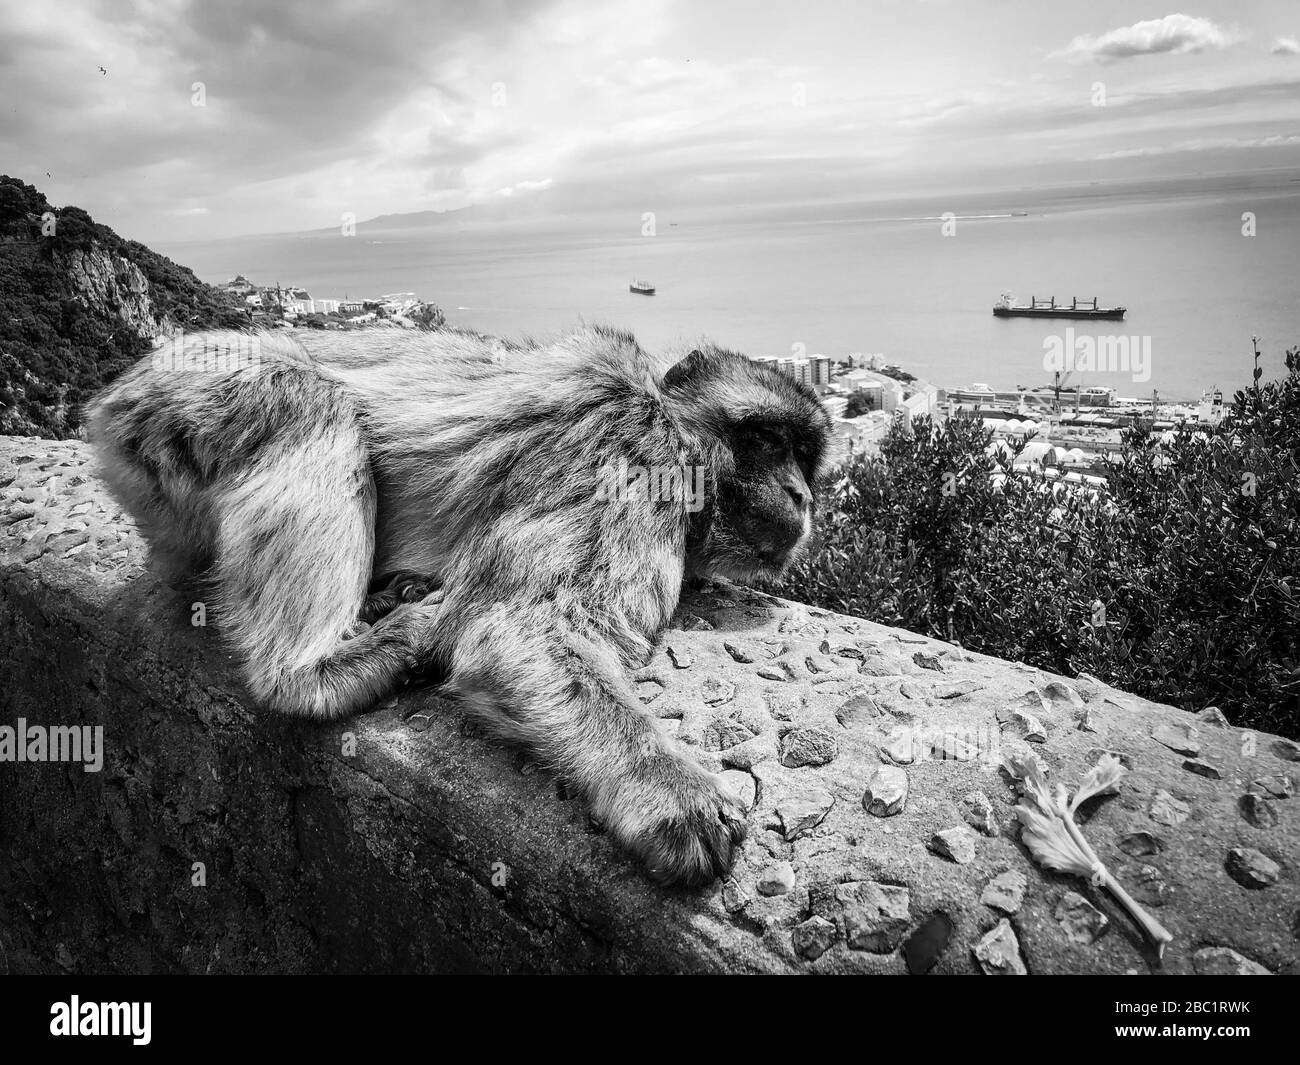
[(767, 437), (765, 505)]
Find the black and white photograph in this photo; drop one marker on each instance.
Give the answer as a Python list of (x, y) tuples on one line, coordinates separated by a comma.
[(638, 487)]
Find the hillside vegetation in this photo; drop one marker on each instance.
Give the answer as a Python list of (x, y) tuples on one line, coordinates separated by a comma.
[(78, 304)]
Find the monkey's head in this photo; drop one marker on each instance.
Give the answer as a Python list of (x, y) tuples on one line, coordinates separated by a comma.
[(763, 439)]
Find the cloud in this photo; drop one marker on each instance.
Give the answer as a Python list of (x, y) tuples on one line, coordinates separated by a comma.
[(1173, 35), (1204, 145), (525, 187), (1286, 46)]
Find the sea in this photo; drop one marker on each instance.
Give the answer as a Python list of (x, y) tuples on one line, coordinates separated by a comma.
[(1203, 263)]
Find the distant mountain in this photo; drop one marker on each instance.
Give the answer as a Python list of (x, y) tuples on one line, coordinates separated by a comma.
[(78, 304)]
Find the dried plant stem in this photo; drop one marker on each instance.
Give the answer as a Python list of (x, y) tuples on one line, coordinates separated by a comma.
[(1154, 930)]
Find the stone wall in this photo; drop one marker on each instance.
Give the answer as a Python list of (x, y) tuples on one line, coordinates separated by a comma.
[(881, 832)]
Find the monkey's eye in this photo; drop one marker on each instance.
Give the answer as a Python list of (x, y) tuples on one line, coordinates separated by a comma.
[(765, 436)]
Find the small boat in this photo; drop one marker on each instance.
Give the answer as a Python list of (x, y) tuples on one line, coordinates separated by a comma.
[(1048, 308), (642, 288)]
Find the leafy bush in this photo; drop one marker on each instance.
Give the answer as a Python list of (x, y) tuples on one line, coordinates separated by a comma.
[(1179, 582)]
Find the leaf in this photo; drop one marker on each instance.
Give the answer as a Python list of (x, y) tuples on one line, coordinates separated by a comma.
[(1102, 778)]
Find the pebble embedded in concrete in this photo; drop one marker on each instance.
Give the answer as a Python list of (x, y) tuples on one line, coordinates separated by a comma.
[(1181, 739), (775, 878), (886, 795), (998, 953), (1006, 891), (800, 814), (977, 810), (1168, 809), (1251, 868), (957, 844), (1224, 961), (1081, 921), (808, 746), (813, 938)]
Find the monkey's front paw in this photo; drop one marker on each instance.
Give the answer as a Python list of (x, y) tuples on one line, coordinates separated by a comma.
[(683, 822)]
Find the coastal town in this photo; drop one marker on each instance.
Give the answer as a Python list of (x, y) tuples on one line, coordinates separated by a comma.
[(271, 306), (1063, 432)]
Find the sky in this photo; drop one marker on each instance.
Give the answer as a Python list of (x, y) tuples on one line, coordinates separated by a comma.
[(166, 118)]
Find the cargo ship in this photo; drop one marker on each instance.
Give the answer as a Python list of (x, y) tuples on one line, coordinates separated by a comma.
[(642, 288), (1049, 308)]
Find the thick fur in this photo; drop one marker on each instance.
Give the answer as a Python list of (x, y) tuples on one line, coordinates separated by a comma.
[(306, 473)]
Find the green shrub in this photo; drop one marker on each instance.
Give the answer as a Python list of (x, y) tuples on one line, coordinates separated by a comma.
[(1179, 582)]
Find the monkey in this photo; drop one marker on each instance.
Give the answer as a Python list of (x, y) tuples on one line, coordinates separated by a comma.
[(515, 516)]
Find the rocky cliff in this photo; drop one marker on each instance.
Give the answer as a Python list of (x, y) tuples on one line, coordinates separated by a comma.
[(113, 287), (882, 837)]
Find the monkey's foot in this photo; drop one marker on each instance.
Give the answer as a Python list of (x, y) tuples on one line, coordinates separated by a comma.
[(684, 823), (390, 590)]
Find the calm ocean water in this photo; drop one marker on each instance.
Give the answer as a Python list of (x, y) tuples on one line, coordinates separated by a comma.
[(871, 277)]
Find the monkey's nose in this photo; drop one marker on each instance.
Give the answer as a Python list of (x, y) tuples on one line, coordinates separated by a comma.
[(799, 496)]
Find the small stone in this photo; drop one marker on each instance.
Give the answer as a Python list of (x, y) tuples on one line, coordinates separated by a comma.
[(679, 658), (695, 623), (1141, 845), (1056, 692), (959, 690), (1287, 750), (772, 673), (1181, 739), (1168, 810), (724, 734), (1213, 717), (734, 897), (886, 795), (1084, 722), (716, 692), (1082, 922), (808, 746), (813, 938), (1251, 868), (1279, 786), (924, 946), (1223, 961), (957, 844), (800, 814), (1145, 883), (1026, 726), (880, 666), (858, 709), (738, 654), (649, 690), (750, 753), (901, 747), (977, 810), (743, 785), (776, 878), (783, 706), (876, 916), (1202, 768), (926, 661), (1257, 811), (1005, 892), (998, 953)]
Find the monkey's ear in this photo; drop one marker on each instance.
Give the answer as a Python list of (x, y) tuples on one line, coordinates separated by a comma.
[(692, 368)]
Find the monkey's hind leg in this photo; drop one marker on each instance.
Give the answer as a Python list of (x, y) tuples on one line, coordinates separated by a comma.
[(293, 559)]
